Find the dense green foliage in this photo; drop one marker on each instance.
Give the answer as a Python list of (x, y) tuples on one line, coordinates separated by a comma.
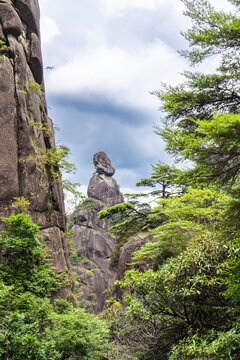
[(192, 298), (127, 220), (188, 305), (192, 215), (32, 327)]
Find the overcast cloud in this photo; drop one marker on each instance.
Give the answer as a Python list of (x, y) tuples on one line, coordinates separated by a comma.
[(108, 55)]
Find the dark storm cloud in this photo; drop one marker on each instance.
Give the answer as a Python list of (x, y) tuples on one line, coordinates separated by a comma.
[(94, 104)]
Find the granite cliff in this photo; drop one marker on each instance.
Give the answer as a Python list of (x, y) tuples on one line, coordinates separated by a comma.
[(93, 244), (26, 131)]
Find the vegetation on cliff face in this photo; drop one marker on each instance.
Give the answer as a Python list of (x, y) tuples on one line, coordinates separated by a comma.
[(187, 305)]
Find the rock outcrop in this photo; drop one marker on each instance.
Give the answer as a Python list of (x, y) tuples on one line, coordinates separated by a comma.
[(26, 131), (126, 254), (93, 245)]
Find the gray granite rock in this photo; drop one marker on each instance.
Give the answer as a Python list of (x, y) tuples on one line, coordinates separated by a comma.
[(2, 36), (36, 63), (10, 19), (105, 188), (30, 14), (93, 244), (126, 252), (52, 238), (8, 139), (26, 131), (103, 164)]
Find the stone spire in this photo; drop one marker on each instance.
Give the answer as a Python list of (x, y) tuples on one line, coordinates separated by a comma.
[(93, 244), (103, 186)]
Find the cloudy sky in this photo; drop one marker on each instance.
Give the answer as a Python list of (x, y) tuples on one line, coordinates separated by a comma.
[(108, 55)]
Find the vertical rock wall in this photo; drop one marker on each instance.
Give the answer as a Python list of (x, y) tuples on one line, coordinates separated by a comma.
[(26, 131)]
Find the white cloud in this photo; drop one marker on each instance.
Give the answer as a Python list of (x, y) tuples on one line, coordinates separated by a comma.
[(222, 5), (125, 78), (49, 29), (127, 179), (118, 7)]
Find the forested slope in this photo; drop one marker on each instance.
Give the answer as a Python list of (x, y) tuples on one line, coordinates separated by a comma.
[(185, 304)]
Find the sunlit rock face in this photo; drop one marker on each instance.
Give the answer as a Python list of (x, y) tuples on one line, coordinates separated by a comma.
[(26, 131), (93, 245)]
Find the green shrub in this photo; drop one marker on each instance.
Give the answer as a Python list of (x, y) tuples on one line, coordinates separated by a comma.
[(31, 327)]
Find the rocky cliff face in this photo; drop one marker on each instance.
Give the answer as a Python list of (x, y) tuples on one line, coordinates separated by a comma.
[(26, 131), (93, 244)]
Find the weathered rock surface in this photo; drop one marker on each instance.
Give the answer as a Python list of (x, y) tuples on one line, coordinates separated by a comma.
[(10, 20), (36, 63), (26, 131), (103, 164), (30, 14), (105, 189), (93, 245), (8, 144), (126, 252)]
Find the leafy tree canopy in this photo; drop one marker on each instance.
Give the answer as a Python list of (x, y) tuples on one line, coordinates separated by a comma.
[(31, 327)]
